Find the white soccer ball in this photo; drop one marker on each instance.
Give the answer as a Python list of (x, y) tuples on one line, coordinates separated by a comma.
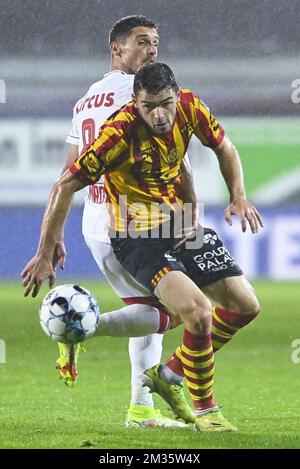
[(69, 314)]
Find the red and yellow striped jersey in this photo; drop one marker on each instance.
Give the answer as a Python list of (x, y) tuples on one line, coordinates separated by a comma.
[(142, 170)]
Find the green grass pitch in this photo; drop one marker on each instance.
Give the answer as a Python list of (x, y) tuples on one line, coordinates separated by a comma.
[(255, 380)]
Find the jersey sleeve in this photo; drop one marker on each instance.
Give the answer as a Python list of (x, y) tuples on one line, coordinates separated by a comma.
[(73, 135), (187, 162), (206, 127), (107, 152)]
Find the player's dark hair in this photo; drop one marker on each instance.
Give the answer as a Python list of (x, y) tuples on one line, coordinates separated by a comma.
[(122, 28), (153, 78)]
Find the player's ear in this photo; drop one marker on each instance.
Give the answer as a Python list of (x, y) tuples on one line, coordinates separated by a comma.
[(133, 97), (115, 48)]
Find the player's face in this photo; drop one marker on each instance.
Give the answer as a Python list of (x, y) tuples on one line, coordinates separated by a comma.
[(158, 110), (139, 48)]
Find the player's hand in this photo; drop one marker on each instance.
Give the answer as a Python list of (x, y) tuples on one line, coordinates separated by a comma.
[(246, 212), (35, 272), (185, 236), (59, 255), (187, 225)]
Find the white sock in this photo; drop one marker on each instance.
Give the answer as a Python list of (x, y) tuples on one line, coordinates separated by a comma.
[(144, 352), (169, 375), (205, 411), (131, 321)]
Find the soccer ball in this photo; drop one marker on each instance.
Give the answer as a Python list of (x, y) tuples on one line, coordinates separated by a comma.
[(69, 314)]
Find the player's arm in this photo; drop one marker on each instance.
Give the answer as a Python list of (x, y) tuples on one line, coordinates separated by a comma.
[(71, 157), (231, 169), (211, 134), (53, 222), (87, 169), (60, 253), (188, 189), (188, 195)]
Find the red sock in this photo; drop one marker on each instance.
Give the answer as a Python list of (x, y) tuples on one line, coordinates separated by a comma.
[(225, 324), (197, 357), (174, 362)]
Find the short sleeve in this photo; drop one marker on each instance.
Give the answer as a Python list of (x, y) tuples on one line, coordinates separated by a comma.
[(202, 122), (107, 152), (73, 135), (207, 128)]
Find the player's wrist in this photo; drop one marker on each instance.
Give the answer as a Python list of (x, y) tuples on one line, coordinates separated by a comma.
[(45, 252), (237, 197)]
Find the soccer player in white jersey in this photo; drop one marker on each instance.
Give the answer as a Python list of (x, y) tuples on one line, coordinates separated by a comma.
[(133, 42)]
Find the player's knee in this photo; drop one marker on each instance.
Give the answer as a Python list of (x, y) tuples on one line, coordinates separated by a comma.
[(175, 321), (247, 304), (198, 315), (168, 321), (194, 307), (251, 306), (255, 306), (203, 319)]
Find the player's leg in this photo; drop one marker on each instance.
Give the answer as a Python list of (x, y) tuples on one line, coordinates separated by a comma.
[(184, 299), (136, 348), (141, 411), (214, 270), (236, 306), (135, 320), (141, 361), (155, 266)]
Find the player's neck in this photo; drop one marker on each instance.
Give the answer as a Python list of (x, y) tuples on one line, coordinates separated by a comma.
[(119, 65)]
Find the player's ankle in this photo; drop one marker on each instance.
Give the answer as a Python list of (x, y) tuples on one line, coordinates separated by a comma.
[(169, 376), (206, 410)]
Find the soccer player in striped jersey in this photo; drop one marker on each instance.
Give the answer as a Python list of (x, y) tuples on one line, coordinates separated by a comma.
[(139, 150), (133, 42)]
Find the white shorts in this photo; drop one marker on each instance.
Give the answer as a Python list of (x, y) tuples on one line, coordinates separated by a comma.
[(121, 281)]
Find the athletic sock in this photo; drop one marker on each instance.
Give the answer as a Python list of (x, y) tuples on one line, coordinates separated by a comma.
[(198, 366), (225, 324), (169, 375), (144, 352), (174, 364), (131, 321)]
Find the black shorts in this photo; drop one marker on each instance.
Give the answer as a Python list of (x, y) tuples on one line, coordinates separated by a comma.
[(148, 259), (209, 263)]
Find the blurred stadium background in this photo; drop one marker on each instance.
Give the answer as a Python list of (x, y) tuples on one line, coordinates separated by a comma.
[(241, 58)]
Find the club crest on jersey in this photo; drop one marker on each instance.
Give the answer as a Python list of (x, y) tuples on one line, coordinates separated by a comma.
[(187, 128), (148, 151), (173, 155), (92, 162)]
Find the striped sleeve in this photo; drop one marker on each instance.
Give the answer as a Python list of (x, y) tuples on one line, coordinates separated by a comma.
[(206, 127), (107, 149)]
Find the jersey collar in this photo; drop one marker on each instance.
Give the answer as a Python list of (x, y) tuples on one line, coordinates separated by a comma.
[(114, 71)]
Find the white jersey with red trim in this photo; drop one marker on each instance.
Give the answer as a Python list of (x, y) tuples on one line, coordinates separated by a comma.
[(102, 99)]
